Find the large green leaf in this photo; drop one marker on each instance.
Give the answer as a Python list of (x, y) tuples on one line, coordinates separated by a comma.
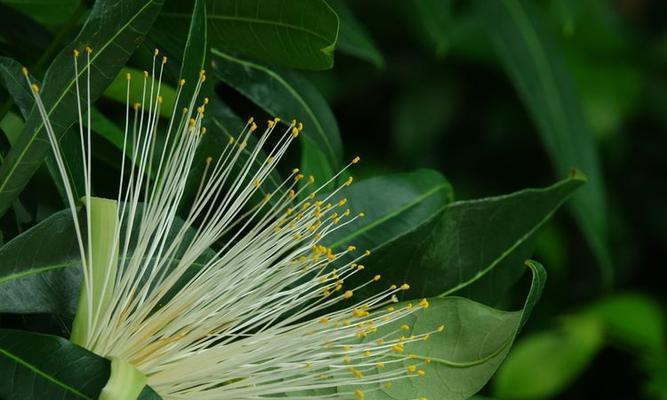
[(465, 355), (296, 33), (36, 366), (50, 367), (40, 270), (354, 38), (438, 22), (113, 30), (287, 95), (476, 245), (196, 49), (536, 68), (49, 12), (414, 199)]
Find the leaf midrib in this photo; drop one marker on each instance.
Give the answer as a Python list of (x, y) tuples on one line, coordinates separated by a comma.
[(63, 93)]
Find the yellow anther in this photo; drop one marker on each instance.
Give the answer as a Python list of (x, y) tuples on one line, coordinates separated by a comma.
[(298, 177), (380, 341), (270, 123), (300, 126), (360, 394), (291, 194), (251, 120), (276, 120), (411, 368), (156, 52), (128, 76), (405, 286), (185, 110), (76, 52), (441, 328), (356, 159), (89, 50), (192, 122), (253, 127), (391, 309), (295, 171), (35, 88), (295, 132), (164, 60), (421, 372), (136, 106), (360, 267), (361, 215), (203, 130), (367, 253), (342, 202), (405, 327), (348, 182), (159, 99), (230, 140), (348, 294), (397, 348), (380, 365), (311, 179), (377, 277), (205, 100), (347, 360), (182, 82), (208, 160), (424, 303), (145, 74), (351, 248), (367, 353), (24, 71)]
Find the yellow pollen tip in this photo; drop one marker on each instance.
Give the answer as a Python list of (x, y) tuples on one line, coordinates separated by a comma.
[(164, 60), (295, 132), (348, 294), (24, 71), (156, 52), (441, 328), (203, 130), (208, 160), (159, 99), (377, 277), (251, 120), (405, 286), (89, 50), (75, 52), (351, 248), (424, 303), (360, 394), (182, 82), (136, 106), (253, 127), (35, 88), (349, 180), (356, 159), (145, 74), (128, 76)]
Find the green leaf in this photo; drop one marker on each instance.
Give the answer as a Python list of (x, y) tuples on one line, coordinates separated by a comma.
[(354, 39), (315, 163), (40, 270), (299, 34), (476, 245), (196, 49), (465, 355), (284, 94), (113, 30), (536, 68), (416, 197), (632, 319), (37, 366), (543, 364)]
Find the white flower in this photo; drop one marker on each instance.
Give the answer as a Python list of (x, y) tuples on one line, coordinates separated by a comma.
[(252, 319)]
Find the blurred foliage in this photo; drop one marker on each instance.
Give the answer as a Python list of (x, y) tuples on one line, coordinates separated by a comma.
[(495, 96)]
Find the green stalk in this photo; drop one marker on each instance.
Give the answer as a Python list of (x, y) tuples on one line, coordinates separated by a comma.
[(125, 382), (102, 270)]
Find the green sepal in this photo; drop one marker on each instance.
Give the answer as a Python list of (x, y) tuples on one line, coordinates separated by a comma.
[(125, 382)]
